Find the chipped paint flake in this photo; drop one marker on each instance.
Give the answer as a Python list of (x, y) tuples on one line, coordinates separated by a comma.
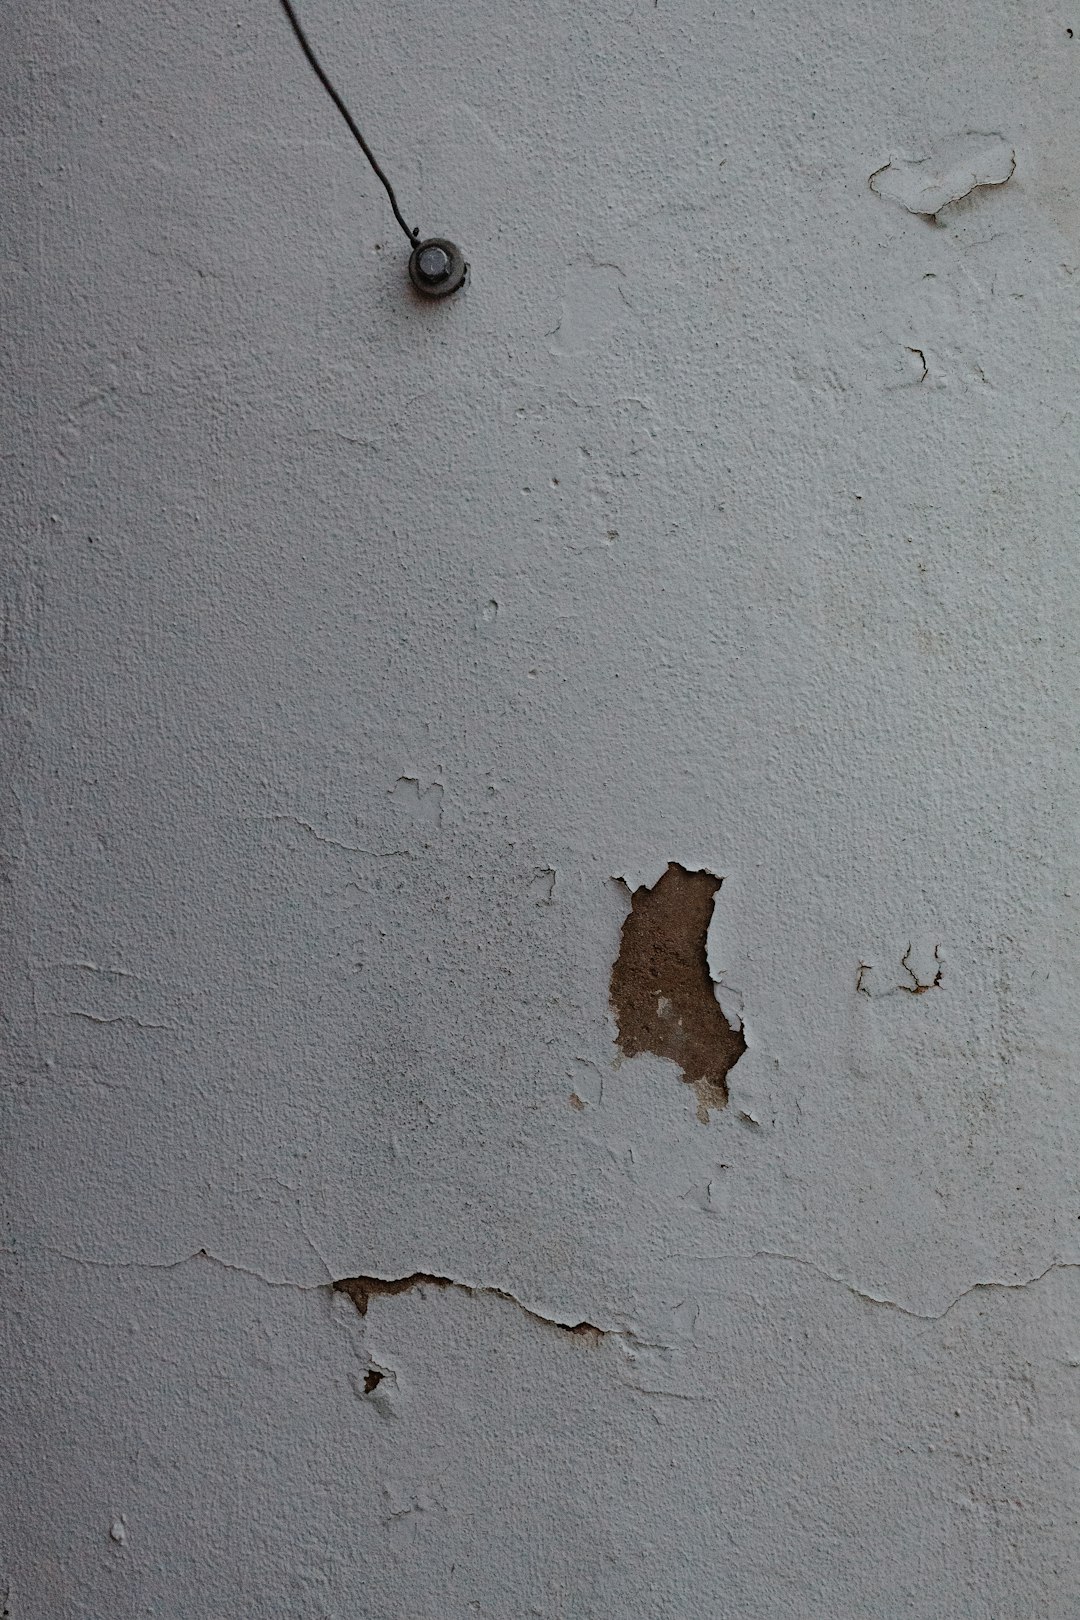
[(952, 169)]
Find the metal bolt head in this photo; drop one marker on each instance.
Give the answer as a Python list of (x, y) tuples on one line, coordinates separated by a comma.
[(433, 263), (437, 267)]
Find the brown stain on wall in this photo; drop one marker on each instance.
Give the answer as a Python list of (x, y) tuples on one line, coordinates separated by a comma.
[(661, 988)]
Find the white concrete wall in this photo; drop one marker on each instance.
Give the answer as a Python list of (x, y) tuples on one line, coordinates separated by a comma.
[(357, 648)]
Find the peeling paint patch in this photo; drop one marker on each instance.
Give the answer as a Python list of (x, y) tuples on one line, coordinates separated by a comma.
[(593, 305), (379, 1387), (663, 994), (424, 804), (406, 1510), (588, 1083), (542, 886), (362, 1290), (954, 168)]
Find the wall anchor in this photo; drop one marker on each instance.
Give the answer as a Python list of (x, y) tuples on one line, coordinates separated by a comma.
[(437, 267)]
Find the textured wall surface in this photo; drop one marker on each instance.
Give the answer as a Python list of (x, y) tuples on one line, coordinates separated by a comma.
[(363, 656)]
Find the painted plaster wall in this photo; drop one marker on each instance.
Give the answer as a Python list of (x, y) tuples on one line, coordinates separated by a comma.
[(361, 653)]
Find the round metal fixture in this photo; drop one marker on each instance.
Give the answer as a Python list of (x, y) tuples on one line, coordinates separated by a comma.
[(437, 267)]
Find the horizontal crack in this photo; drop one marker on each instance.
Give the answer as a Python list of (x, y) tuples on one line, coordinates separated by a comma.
[(335, 843), (362, 1290), (167, 1265), (881, 1299), (120, 1018)]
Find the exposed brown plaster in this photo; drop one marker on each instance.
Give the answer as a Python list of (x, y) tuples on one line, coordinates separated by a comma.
[(362, 1290), (661, 988)]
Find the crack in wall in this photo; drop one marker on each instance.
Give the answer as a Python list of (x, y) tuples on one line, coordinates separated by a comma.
[(868, 973), (118, 1018), (334, 843), (988, 1284), (363, 1289), (368, 1287), (92, 967)]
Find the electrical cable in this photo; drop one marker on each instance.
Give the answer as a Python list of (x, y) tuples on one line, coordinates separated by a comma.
[(305, 45)]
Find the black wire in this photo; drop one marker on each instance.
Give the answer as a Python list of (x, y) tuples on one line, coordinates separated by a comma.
[(347, 115)]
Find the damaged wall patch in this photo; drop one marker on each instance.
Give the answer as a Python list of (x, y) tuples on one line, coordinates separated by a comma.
[(951, 171), (661, 989)]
